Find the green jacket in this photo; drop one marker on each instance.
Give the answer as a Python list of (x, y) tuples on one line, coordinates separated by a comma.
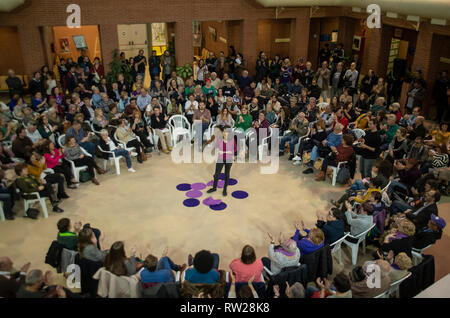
[(246, 124), (69, 240), (301, 127), (28, 184), (390, 133)]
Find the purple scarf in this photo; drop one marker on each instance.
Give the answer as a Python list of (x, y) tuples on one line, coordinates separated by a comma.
[(282, 251)]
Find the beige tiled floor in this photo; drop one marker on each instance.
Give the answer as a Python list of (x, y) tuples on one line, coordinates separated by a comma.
[(145, 207)]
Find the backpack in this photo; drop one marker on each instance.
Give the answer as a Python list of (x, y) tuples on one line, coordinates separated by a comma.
[(53, 257), (343, 175), (32, 213)]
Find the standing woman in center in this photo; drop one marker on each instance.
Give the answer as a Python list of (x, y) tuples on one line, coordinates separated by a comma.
[(226, 148)]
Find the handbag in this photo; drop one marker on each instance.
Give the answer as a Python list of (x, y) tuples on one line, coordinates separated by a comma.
[(143, 156), (32, 213), (343, 175)]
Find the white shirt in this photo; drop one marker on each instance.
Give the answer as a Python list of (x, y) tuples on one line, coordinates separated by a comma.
[(35, 137), (111, 144), (190, 107)]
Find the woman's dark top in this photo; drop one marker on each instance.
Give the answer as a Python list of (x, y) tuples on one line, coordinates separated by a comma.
[(371, 139)]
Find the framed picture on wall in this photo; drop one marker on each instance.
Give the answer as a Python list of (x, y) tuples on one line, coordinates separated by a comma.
[(213, 33), (356, 43), (158, 34), (64, 45), (80, 42)]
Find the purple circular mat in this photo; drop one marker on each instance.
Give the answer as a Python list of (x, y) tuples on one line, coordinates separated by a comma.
[(222, 176), (191, 202), (218, 207), (198, 186), (184, 187), (210, 201), (232, 182), (220, 184), (239, 194), (194, 194)]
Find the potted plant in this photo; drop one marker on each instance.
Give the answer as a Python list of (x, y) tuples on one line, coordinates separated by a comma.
[(117, 67), (185, 71)]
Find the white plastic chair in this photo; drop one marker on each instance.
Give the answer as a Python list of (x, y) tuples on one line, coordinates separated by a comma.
[(417, 254), (300, 140), (210, 131), (383, 295), (92, 128), (264, 145), (335, 171), (123, 145), (179, 126), (27, 202), (395, 286), (354, 247), (2, 213), (336, 247), (112, 159)]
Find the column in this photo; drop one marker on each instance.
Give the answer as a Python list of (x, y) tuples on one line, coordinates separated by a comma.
[(109, 42), (183, 42), (250, 43), (32, 48)]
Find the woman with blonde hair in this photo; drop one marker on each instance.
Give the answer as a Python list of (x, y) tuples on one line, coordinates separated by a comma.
[(399, 238), (312, 240), (99, 122)]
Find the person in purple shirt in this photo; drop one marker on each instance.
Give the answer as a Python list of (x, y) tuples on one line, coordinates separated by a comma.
[(226, 148), (312, 241)]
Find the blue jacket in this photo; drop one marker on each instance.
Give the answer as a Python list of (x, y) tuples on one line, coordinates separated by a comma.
[(304, 245), (334, 140), (333, 230)]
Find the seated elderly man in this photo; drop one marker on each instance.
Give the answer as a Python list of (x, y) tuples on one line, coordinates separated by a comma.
[(330, 144), (143, 100), (10, 279), (106, 144), (81, 137), (105, 102), (359, 222), (34, 134), (38, 285), (298, 128)]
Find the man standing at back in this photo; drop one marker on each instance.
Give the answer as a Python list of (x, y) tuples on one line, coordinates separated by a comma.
[(140, 62), (154, 65)]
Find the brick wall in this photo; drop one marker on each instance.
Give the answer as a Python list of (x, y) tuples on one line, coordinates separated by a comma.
[(10, 51), (242, 17)]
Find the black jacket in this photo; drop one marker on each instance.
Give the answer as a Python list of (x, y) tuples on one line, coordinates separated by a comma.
[(15, 85), (398, 246), (319, 263), (35, 86), (105, 147), (421, 219), (87, 271), (423, 239), (422, 276), (291, 275)]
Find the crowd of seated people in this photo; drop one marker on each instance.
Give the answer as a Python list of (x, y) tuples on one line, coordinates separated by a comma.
[(402, 159)]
